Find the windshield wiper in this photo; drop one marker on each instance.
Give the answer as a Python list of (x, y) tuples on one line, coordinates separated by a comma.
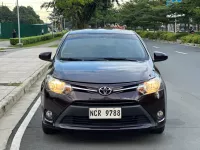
[(71, 59), (83, 59), (119, 59), (98, 59)]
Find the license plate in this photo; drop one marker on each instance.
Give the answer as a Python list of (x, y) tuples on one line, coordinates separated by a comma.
[(105, 113)]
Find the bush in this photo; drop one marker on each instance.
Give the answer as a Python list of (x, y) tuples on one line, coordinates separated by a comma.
[(179, 35), (152, 35), (169, 36), (143, 34), (192, 38), (35, 39), (14, 41)]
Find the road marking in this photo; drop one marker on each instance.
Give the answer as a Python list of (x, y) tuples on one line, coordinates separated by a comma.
[(180, 52), (156, 47), (20, 132)]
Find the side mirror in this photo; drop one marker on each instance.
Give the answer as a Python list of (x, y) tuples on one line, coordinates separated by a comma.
[(46, 56), (159, 56)]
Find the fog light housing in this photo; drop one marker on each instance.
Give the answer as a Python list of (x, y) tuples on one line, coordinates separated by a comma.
[(49, 115), (160, 114)]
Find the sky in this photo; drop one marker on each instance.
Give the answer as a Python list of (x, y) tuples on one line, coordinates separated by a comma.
[(33, 3)]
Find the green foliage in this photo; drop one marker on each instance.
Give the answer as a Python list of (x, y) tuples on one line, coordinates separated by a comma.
[(135, 14), (27, 15), (192, 38), (161, 35), (35, 39), (110, 16), (14, 41), (5, 14), (79, 12), (144, 14), (152, 14), (144, 34), (171, 37)]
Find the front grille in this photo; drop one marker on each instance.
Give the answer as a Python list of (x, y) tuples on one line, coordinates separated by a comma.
[(124, 121), (93, 87), (100, 103)]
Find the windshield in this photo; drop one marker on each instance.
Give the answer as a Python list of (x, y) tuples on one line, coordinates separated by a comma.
[(99, 46)]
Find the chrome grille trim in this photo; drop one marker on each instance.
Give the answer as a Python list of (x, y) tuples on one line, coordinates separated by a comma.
[(84, 89), (92, 90), (124, 89)]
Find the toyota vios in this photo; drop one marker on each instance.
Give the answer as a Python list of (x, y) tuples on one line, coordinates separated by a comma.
[(103, 80)]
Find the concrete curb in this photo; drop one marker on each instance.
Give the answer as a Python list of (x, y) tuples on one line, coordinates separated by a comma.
[(11, 99)]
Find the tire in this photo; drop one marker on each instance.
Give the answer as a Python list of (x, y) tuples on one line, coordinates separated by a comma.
[(48, 130), (158, 130)]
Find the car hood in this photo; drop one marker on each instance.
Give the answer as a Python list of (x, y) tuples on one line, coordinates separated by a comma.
[(103, 71)]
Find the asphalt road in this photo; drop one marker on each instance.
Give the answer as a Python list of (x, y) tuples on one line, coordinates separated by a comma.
[(181, 73)]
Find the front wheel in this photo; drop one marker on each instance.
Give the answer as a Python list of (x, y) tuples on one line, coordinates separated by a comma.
[(48, 130), (158, 130)]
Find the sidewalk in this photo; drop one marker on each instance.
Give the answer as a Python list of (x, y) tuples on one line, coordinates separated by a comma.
[(4, 44), (19, 85), (18, 71)]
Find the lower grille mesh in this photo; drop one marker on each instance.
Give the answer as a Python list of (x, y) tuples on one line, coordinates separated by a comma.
[(124, 121)]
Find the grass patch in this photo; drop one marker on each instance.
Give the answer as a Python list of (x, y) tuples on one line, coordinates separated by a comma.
[(4, 40), (41, 43), (56, 45), (10, 84), (1, 49)]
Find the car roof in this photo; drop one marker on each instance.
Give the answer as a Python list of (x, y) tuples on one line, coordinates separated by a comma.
[(102, 31)]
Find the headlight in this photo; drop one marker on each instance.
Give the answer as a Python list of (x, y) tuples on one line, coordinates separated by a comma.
[(58, 86), (149, 87)]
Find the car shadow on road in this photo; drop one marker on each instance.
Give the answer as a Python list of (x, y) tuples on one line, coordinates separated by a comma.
[(105, 137)]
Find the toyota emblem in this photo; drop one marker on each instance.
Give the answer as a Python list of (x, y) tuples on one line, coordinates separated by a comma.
[(105, 91)]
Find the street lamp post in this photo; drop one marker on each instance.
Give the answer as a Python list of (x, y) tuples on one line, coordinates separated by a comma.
[(175, 16), (61, 22), (64, 23), (19, 36), (53, 28), (175, 25)]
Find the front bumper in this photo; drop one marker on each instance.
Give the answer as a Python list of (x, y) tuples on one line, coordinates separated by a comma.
[(76, 117), (72, 112)]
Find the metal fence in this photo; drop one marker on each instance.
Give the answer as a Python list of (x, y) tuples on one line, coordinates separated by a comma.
[(27, 30)]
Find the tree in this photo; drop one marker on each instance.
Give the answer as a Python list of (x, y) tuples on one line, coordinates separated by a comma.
[(194, 6), (101, 17), (144, 13), (6, 14), (79, 11), (27, 15)]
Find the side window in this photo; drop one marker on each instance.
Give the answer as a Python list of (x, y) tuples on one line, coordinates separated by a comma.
[(142, 41), (61, 42), (63, 38), (144, 45)]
